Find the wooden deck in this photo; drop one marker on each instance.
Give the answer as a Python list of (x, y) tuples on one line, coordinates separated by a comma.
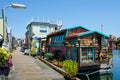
[(83, 64), (89, 66), (84, 67)]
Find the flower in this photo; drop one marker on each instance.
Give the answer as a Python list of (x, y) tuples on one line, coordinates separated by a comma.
[(4, 55)]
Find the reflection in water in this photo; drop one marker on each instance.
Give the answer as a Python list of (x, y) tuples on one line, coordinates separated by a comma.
[(107, 76)]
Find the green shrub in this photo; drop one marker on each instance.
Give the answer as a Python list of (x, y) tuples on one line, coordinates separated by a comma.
[(4, 55), (71, 67), (33, 51)]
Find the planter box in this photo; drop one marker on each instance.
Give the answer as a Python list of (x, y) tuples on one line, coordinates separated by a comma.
[(4, 70)]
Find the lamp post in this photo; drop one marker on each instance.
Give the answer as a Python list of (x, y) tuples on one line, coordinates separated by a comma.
[(13, 5)]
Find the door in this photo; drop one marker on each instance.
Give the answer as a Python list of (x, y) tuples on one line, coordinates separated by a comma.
[(74, 54)]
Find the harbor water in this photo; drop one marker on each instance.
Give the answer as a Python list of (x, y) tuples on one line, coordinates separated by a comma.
[(116, 68), (114, 73)]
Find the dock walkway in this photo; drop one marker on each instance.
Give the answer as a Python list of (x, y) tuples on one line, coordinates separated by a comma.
[(28, 68)]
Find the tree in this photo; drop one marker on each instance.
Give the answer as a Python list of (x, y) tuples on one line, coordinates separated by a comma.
[(117, 42)]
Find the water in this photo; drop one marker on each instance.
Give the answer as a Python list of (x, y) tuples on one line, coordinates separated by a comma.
[(115, 71), (116, 68)]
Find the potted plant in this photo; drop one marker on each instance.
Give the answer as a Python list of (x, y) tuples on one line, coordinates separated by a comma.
[(33, 51), (71, 68), (5, 56)]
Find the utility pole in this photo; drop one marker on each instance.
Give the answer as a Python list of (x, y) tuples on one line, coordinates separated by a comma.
[(101, 28)]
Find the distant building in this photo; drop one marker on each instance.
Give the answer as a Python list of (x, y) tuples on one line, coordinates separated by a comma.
[(9, 38), (2, 29), (9, 30), (39, 30), (1, 26), (111, 42), (27, 39), (14, 42)]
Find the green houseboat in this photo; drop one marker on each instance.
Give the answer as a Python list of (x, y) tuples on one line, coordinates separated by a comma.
[(88, 48)]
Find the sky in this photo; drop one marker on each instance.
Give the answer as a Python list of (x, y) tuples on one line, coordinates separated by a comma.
[(90, 14)]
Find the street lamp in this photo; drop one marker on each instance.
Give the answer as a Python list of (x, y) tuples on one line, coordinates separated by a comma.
[(13, 5)]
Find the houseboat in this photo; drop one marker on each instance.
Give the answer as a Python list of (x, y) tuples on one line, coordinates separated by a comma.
[(88, 48)]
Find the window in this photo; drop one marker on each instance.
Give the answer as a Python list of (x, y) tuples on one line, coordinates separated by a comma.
[(43, 29), (88, 54), (58, 38)]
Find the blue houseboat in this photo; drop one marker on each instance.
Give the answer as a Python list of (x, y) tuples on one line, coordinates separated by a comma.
[(88, 48)]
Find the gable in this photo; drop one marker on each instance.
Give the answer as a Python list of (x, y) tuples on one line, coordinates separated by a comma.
[(92, 32), (76, 30)]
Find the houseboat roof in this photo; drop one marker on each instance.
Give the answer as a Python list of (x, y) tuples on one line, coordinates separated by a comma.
[(77, 27), (91, 32), (40, 23), (71, 36), (64, 30), (86, 33), (57, 33)]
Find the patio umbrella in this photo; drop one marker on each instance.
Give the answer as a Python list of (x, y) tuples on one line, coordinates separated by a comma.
[(48, 55)]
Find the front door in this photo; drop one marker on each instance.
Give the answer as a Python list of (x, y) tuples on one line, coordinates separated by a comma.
[(74, 54)]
